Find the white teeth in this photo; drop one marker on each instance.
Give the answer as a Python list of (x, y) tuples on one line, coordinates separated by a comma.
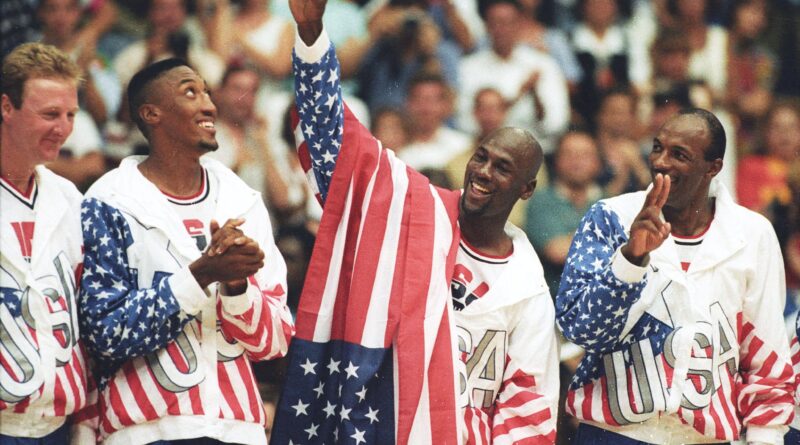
[(479, 188), (207, 124)]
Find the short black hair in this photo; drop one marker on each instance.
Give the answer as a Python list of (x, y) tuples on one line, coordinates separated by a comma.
[(138, 86), (716, 149), (484, 5)]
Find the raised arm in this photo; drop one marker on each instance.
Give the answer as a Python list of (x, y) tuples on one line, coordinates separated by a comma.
[(605, 271)]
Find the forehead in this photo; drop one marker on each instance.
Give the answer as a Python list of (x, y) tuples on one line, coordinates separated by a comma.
[(180, 75), (688, 131), (43, 92), (506, 149)]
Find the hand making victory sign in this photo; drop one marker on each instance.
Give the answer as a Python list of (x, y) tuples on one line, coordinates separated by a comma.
[(648, 231)]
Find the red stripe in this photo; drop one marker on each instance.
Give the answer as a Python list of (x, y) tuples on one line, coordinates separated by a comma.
[(725, 402), (719, 432), (249, 383), (369, 249), (766, 417), (396, 294), (256, 405), (752, 349), (510, 423), (699, 423), (228, 392), (138, 392), (170, 398), (586, 404), (59, 398), (117, 405), (197, 402), (442, 396), (604, 404), (571, 402), (77, 394), (105, 406), (765, 370)]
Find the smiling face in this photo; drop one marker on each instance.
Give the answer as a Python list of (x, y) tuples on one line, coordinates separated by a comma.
[(501, 171), (59, 18), (679, 151), (182, 110), (43, 121)]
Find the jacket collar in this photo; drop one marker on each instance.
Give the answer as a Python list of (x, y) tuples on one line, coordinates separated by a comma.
[(57, 204), (135, 194)]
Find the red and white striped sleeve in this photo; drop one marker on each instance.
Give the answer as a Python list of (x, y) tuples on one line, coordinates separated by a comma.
[(259, 319), (527, 405), (765, 396)]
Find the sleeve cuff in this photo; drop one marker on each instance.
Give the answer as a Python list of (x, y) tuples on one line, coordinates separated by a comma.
[(237, 304), (313, 53), (191, 297), (626, 271), (766, 434)]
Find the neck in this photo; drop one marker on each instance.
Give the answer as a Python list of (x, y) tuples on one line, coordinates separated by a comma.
[(175, 172), (693, 219), (487, 236), (14, 168)]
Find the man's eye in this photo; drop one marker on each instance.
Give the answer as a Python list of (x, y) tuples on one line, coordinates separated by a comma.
[(190, 92)]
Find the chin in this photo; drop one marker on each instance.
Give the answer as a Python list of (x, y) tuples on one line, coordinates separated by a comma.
[(209, 145)]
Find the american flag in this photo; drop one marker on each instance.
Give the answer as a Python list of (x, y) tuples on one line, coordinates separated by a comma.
[(373, 358)]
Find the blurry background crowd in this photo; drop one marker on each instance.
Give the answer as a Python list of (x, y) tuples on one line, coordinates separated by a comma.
[(592, 79)]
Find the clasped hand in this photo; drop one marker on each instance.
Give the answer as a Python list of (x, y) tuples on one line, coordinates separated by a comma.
[(230, 258)]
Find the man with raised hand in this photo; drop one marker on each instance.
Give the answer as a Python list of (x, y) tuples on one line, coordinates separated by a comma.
[(173, 307), (427, 318), (677, 296), (43, 375)]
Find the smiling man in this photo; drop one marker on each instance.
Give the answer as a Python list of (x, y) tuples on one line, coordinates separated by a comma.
[(173, 307), (429, 269), (43, 376), (677, 296)]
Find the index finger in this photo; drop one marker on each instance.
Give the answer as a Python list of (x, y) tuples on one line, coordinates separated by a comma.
[(234, 222), (661, 199), (654, 193)]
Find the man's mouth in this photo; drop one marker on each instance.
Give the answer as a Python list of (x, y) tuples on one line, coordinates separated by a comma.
[(207, 125)]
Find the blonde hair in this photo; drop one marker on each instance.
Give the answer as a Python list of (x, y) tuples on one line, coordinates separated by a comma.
[(35, 61)]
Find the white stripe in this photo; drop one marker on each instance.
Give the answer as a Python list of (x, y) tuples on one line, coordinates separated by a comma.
[(597, 401), (322, 330), (723, 422), (378, 311)]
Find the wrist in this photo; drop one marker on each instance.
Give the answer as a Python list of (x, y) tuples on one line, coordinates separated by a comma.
[(234, 287), (638, 260)]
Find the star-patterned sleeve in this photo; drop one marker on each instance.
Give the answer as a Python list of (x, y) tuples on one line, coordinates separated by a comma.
[(598, 286), (259, 319), (118, 320), (527, 404), (318, 96)]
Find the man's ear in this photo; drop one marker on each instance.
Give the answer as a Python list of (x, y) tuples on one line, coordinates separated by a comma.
[(528, 189), (5, 105), (150, 114), (715, 168)]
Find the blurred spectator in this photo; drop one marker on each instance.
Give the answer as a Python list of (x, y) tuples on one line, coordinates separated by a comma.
[(624, 167), (528, 78), (457, 20), (243, 142), (406, 42), (17, 19), (392, 127), (752, 69), (167, 36), (671, 55), (606, 55), (554, 212), (762, 176), (537, 31), (432, 145), (790, 234), (247, 32), (708, 42), (101, 93)]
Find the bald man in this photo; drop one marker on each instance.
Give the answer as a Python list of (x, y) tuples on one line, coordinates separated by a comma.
[(414, 242)]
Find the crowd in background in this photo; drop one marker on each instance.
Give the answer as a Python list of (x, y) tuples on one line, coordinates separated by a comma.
[(592, 79)]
